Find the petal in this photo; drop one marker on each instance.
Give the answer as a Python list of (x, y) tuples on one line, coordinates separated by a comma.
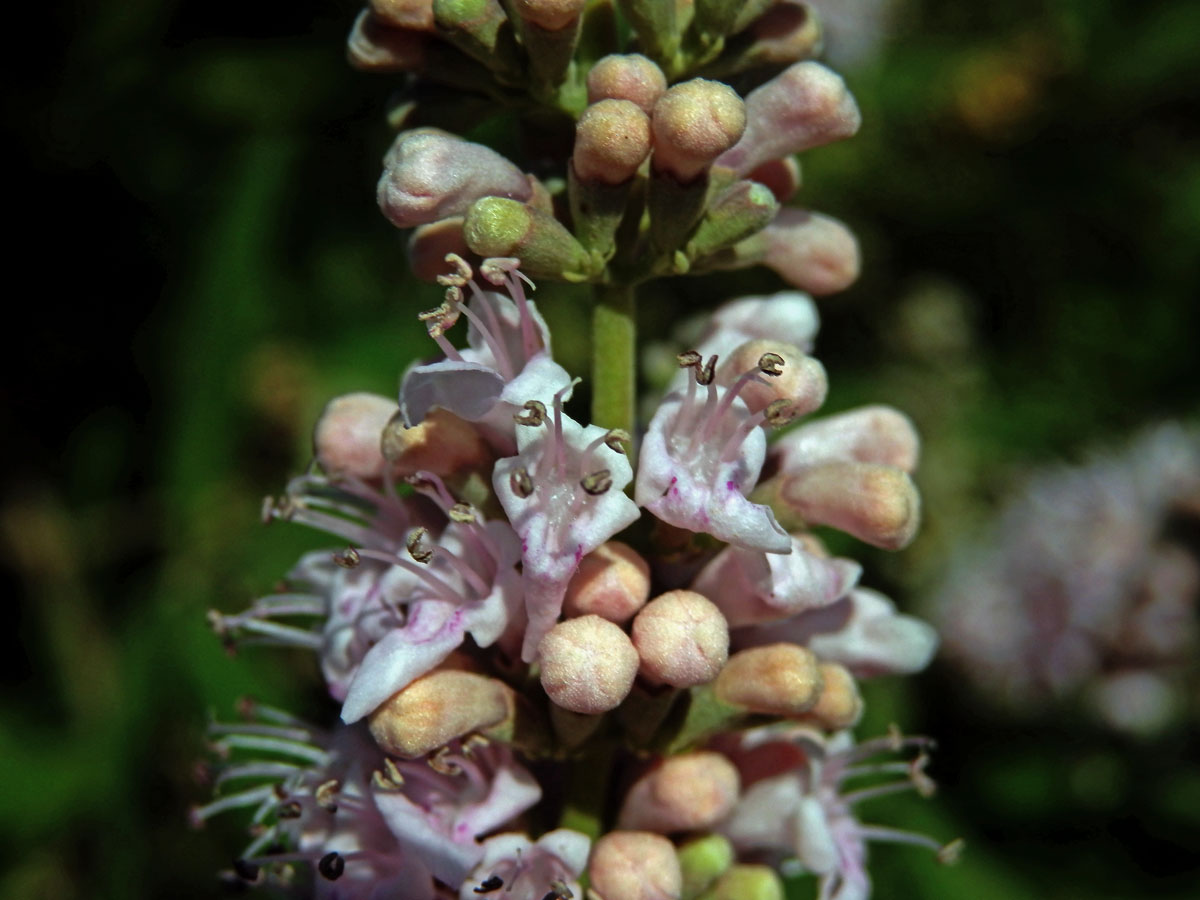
[(467, 389)]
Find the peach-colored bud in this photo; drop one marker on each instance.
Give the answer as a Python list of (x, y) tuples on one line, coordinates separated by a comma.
[(613, 582), (552, 15), (877, 504), (779, 679), (635, 865), (694, 123), (682, 639), (441, 443), (588, 664), (346, 437), (870, 434), (812, 252), (375, 46), (801, 379), (429, 245), (416, 14), (688, 792), (437, 708), (805, 106), (781, 177), (612, 138), (840, 704), (626, 77)]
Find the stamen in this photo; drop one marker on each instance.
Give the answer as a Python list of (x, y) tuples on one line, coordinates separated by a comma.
[(349, 559), (462, 512), (559, 891), (771, 364), (331, 866), (896, 836), (489, 884), (779, 412), (415, 550), (326, 795), (494, 344), (535, 415), (597, 482), (442, 763), (290, 810), (461, 274), (521, 483), (951, 853), (689, 358), (706, 373), (616, 439)]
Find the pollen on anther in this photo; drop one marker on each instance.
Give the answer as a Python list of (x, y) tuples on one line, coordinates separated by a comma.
[(521, 483), (348, 559), (597, 482), (779, 412), (415, 550), (461, 512), (771, 364), (616, 439), (535, 413)]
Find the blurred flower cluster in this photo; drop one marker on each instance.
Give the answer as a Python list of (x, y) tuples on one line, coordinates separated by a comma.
[(605, 655), (1086, 586)]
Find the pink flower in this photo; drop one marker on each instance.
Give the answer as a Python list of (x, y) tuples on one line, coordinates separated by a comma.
[(516, 868), (564, 494)]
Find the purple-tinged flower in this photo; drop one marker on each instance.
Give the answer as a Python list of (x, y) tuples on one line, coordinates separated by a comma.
[(703, 453), (750, 586), (795, 807), (312, 803), (862, 631), (564, 494), (439, 808), (464, 583), (515, 868), (506, 362), (787, 316), (810, 251)]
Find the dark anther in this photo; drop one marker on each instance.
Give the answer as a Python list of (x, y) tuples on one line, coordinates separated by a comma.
[(331, 866), (520, 482), (492, 883), (616, 438), (347, 560), (290, 810), (689, 358), (415, 550), (462, 512), (245, 869), (705, 373), (771, 364), (559, 891), (535, 413), (597, 483), (779, 412)]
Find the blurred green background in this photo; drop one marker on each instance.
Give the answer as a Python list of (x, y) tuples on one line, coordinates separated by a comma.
[(201, 265)]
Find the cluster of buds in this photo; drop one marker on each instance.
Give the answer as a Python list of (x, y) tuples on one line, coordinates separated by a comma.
[(579, 659), (667, 174), (482, 616), (1086, 587)]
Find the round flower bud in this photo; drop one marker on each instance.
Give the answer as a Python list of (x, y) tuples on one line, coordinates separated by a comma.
[(612, 138), (613, 582), (682, 639), (875, 503), (779, 680), (746, 882), (812, 252), (635, 865), (688, 792), (694, 123), (346, 437), (626, 77), (552, 15), (703, 860), (869, 434), (416, 14), (441, 443), (840, 705), (587, 664), (801, 379), (376, 46), (437, 708)]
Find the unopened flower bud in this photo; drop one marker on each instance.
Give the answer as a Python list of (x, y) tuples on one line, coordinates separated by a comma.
[(703, 860), (694, 123), (785, 33), (346, 437), (430, 175), (681, 638), (779, 679), (812, 252), (429, 245), (780, 176), (635, 865), (587, 664), (805, 106), (376, 46), (441, 443), (437, 708), (870, 434), (552, 15), (497, 226), (840, 705), (687, 792), (746, 882), (630, 77), (613, 582), (612, 138), (877, 504), (416, 14), (801, 380), (744, 209)]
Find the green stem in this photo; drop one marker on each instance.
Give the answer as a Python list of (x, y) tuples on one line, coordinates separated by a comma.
[(587, 790), (614, 354)]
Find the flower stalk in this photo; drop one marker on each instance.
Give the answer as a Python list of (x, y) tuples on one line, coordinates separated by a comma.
[(614, 356)]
